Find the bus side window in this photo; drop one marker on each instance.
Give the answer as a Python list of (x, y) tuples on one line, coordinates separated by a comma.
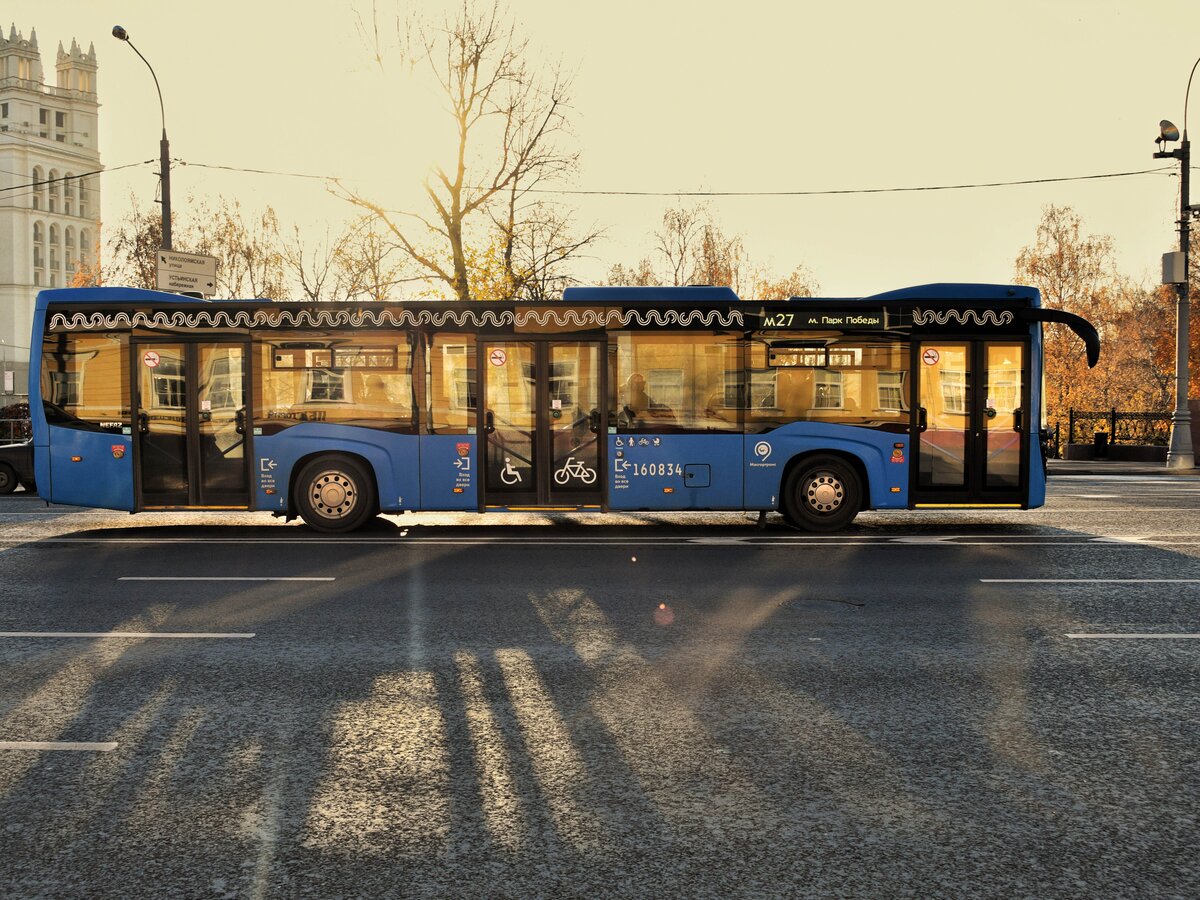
[(829, 377), (677, 382), (365, 380), (451, 386), (85, 382)]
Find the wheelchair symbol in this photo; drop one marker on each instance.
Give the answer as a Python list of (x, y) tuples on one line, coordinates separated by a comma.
[(508, 474)]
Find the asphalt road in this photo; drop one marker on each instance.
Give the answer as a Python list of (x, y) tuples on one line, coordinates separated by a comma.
[(668, 705)]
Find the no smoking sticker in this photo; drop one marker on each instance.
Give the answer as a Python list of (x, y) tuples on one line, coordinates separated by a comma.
[(151, 359), (497, 357), (930, 357)]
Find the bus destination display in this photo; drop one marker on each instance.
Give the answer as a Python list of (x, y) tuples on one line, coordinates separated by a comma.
[(841, 321)]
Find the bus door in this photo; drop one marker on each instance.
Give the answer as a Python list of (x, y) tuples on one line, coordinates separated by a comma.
[(541, 417), (190, 431), (971, 422)]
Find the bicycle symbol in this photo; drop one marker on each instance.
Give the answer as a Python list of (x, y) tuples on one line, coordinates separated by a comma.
[(508, 474), (574, 468)]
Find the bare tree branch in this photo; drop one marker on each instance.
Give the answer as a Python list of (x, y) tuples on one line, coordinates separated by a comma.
[(506, 120)]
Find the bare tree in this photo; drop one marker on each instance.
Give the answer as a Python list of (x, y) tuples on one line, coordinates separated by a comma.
[(133, 245), (249, 260), (314, 266), (537, 239), (717, 257), (506, 121), (641, 274), (539, 250), (676, 241), (697, 250), (371, 267), (800, 282)]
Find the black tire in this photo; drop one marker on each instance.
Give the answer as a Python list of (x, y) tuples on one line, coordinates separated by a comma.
[(335, 494), (8, 479), (822, 493)]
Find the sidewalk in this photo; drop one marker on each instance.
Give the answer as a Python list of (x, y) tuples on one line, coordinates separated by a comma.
[(1109, 467)]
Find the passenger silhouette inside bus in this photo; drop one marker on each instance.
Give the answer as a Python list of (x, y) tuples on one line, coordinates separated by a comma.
[(639, 406), (375, 391)]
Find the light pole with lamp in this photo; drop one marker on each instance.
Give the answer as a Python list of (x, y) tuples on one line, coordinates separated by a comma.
[(164, 145), (1180, 452)]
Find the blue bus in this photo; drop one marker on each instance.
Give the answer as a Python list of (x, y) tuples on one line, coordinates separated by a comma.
[(614, 398)]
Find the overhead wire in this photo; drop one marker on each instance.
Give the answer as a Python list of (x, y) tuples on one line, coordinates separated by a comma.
[(809, 193), (833, 192), (183, 162), (21, 191), (73, 177), (31, 187)]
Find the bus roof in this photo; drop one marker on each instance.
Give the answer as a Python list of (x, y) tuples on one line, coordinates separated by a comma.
[(952, 292), (926, 293), (111, 295)]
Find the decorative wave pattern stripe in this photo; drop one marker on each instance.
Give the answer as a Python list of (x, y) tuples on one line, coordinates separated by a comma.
[(962, 317), (396, 318)]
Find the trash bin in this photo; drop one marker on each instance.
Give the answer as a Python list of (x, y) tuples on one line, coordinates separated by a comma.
[(1100, 445)]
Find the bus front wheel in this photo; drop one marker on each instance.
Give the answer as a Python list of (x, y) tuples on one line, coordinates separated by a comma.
[(335, 494), (822, 494)]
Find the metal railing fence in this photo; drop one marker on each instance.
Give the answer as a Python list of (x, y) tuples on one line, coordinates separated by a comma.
[(13, 431)]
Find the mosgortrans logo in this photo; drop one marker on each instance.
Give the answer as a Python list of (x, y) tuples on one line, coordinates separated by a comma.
[(762, 450)]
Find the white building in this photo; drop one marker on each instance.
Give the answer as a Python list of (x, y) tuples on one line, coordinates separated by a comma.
[(49, 209)]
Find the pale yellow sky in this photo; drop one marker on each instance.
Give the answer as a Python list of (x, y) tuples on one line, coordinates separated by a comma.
[(747, 96)]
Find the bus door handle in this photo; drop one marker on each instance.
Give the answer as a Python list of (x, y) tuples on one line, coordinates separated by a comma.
[(922, 418), (489, 422), (239, 421), (143, 422), (1018, 425), (594, 421)]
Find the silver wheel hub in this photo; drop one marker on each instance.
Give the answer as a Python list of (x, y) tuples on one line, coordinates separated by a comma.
[(824, 492), (334, 494)]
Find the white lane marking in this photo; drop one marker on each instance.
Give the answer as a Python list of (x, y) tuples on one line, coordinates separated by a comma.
[(1094, 496), (178, 635), (103, 747), (211, 578), (1130, 637), (1140, 478), (603, 543), (1090, 580), (1086, 510)]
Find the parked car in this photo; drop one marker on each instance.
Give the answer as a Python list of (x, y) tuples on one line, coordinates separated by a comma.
[(16, 467)]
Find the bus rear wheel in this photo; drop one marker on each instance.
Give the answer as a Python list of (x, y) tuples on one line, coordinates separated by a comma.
[(822, 494), (335, 494)]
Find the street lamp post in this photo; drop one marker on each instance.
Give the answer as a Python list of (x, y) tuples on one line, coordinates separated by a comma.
[(1180, 452), (164, 145)]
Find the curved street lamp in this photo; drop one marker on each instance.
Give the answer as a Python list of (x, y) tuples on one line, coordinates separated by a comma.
[(1180, 452), (164, 145)]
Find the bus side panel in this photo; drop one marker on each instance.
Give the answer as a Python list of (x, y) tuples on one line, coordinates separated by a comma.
[(37, 413), (394, 457), (675, 471), (767, 457), (41, 470), (87, 468), (448, 467)]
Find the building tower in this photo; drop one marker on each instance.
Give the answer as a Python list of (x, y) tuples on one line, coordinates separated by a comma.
[(49, 209)]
